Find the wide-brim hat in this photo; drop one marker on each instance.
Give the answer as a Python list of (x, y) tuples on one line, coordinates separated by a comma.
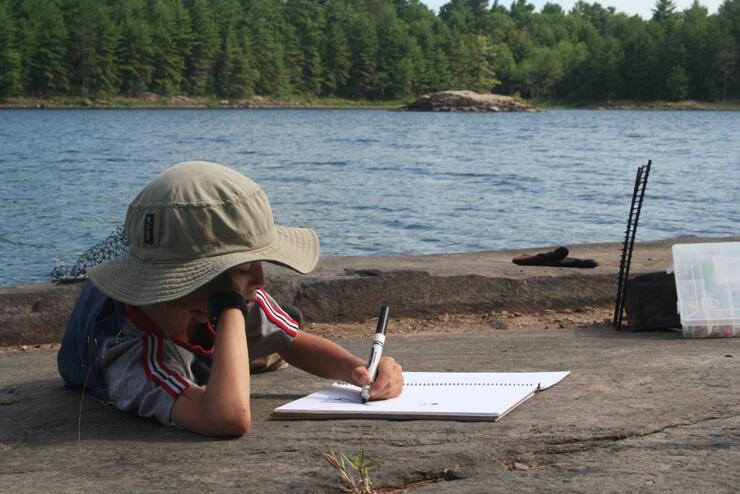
[(193, 222)]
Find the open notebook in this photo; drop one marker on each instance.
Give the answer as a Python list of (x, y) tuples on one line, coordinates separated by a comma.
[(475, 396)]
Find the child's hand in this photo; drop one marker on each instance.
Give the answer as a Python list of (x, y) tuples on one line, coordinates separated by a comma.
[(220, 301), (389, 382)]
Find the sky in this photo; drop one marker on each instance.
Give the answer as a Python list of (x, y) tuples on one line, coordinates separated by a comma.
[(643, 8)]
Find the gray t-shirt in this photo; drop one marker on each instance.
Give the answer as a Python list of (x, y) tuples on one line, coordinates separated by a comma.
[(145, 371)]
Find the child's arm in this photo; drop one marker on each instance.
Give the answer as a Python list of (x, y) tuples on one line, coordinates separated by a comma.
[(221, 408), (327, 359)]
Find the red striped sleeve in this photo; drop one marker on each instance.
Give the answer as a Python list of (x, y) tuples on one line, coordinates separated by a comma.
[(276, 314), (156, 369)]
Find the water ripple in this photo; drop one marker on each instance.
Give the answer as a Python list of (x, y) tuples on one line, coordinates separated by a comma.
[(375, 182)]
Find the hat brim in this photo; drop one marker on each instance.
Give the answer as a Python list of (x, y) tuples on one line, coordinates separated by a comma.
[(137, 282)]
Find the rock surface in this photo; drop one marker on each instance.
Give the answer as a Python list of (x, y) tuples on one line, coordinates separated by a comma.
[(468, 101), (353, 288), (640, 412)]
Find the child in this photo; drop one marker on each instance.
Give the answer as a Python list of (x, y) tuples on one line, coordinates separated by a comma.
[(186, 307)]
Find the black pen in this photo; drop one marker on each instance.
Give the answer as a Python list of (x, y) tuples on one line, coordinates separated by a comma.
[(375, 353)]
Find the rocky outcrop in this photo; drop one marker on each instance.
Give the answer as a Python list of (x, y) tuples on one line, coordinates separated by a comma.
[(468, 101), (352, 288)]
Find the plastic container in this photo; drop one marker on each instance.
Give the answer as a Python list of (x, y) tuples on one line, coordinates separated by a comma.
[(708, 288)]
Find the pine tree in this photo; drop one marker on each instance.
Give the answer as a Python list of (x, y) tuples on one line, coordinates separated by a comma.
[(264, 21), (642, 52), (170, 31), (204, 48), (10, 58), (439, 53), (697, 39), (235, 76), (502, 62), (678, 84), (94, 41), (728, 19), (593, 73), (665, 28), (428, 36), (336, 50), (363, 42), (663, 10), (457, 16), (522, 12), (307, 20), (366, 48), (134, 51), (473, 63), (45, 57), (395, 67), (727, 66)]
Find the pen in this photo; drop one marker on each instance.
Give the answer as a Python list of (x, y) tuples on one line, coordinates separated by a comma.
[(375, 353)]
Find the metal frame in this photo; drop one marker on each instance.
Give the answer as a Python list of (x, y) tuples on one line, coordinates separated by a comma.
[(629, 241)]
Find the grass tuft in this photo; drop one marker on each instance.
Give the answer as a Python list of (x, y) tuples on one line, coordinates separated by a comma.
[(349, 468)]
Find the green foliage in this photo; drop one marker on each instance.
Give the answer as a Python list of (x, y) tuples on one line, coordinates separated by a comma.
[(336, 52), (369, 49), (678, 84), (10, 58), (94, 39), (474, 60), (541, 72), (204, 48), (135, 48), (395, 60), (45, 54), (663, 10), (363, 41), (349, 467), (307, 19), (170, 31), (235, 75), (268, 52)]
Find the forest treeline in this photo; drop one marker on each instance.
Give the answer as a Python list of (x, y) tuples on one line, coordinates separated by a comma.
[(366, 49)]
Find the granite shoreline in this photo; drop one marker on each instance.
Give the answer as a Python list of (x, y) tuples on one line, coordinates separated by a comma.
[(186, 102), (639, 412), (350, 289)]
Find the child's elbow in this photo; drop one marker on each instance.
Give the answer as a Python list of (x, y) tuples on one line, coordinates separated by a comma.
[(236, 424)]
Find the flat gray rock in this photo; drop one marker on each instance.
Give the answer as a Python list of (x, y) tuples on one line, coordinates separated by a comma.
[(640, 412), (352, 288)]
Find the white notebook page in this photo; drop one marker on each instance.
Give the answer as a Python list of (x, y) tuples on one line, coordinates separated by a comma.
[(451, 395)]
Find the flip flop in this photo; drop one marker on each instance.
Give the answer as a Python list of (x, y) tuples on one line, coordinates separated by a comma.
[(572, 262), (557, 258)]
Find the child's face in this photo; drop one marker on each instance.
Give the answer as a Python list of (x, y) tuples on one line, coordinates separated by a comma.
[(248, 278)]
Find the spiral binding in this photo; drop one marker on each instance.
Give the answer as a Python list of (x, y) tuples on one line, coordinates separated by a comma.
[(442, 383), (459, 383)]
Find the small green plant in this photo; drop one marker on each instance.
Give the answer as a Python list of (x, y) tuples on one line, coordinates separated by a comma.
[(346, 465)]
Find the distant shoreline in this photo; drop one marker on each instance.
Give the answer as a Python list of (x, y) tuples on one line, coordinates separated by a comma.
[(187, 102), (261, 102)]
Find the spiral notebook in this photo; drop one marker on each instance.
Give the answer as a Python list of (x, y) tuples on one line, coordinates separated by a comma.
[(470, 396)]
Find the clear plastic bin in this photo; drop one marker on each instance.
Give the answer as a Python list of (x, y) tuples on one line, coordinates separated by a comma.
[(708, 288)]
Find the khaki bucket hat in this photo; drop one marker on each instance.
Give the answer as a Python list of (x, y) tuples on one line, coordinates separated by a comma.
[(190, 224)]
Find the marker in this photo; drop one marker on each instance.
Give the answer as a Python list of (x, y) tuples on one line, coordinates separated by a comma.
[(375, 353)]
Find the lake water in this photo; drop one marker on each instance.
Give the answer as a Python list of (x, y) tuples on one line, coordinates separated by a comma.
[(373, 181)]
